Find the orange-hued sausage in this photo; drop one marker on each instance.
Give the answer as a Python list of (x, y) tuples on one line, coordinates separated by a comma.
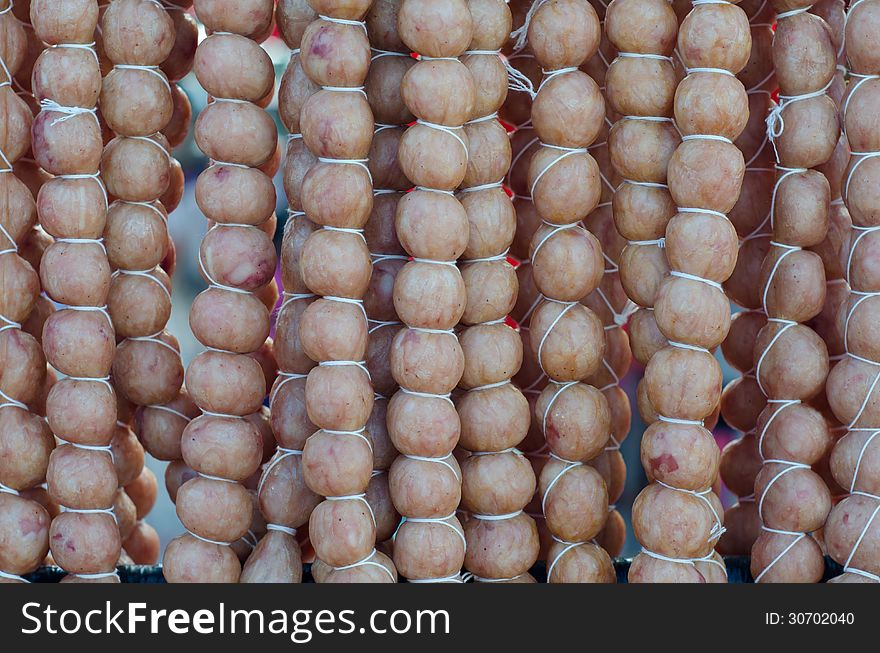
[(225, 445), (683, 380), (852, 531), (791, 359)]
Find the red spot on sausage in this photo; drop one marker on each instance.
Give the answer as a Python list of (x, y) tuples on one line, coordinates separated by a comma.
[(551, 432), (410, 337), (322, 46), (30, 525), (666, 461)]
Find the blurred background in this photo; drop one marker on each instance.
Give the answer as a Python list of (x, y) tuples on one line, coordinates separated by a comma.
[(188, 225)]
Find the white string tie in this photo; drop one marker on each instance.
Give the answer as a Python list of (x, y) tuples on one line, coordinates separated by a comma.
[(480, 454), (797, 538), (613, 447), (434, 520), (787, 324), (852, 486), (156, 339), (219, 479), (431, 261), (356, 497), (353, 162), (5, 489), (480, 579), (90, 47), (172, 411), (487, 118), (716, 71), (775, 121), (4, 574), (488, 259), (488, 53), (360, 434), (452, 131), (567, 546), (8, 324), (707, 137), (863, 156), (490, 386), (153, 70), (677, 420), (6, 162), (211, 413), (560, 388), (490, 186), (786, 172), (659, 242), (97, 575), (209, 541), (426, 189), (862, 79), (555, 229), (280, 454), (641, 55), (863, 231), (783, 404), (510, 515), (694, 277), (91, 511), (647, 119), (717, 214), (213, 282), (644, 184), (144, 274), (152, 141), (344, 21), (568, 465), (348, 300), (567, 307), (346, 230), (444, 460), (281, 529), (66, 112), (378, 54), (368, 562), (455, 578), (520, 35), (289, 298), (96, 176), (428, 395), (684, 345), (710, 559), (359, 364), (847, 567), (718, 529), (150, 205), (793, 12), (83, 241), (566, 152)]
